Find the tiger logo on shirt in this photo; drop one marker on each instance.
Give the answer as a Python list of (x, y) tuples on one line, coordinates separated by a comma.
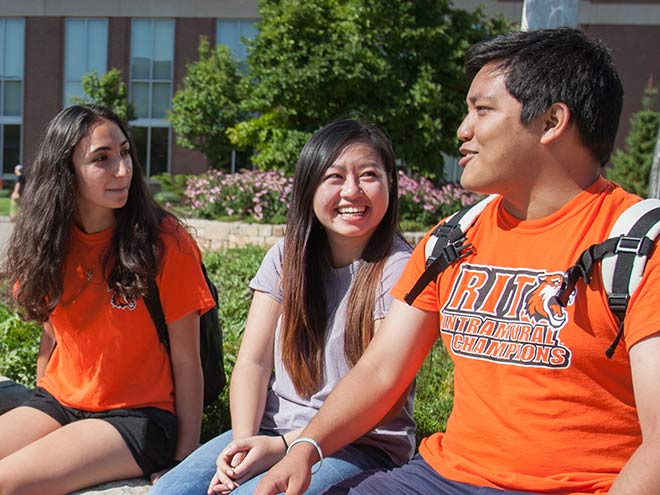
[(120, 302), (542, 303)]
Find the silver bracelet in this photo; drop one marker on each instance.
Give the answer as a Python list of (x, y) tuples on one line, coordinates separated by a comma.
[(316, 446)]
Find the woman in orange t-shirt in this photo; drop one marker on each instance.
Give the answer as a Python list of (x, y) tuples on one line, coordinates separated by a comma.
[(87, 243)]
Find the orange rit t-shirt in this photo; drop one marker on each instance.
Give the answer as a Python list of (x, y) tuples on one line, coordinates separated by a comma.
[(538, 407), (108, 355)]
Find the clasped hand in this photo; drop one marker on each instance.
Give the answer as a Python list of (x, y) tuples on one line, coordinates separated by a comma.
[(243, 459)]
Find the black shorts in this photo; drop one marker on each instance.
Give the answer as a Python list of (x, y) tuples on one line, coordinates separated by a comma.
[(149, 432)]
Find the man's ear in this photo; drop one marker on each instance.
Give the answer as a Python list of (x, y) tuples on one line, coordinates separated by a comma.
[(556, 120)]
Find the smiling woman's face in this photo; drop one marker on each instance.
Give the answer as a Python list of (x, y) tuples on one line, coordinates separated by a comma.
[(352, 198)]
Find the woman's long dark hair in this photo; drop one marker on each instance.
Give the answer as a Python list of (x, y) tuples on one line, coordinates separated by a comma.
[(41, 237), (304, 317)]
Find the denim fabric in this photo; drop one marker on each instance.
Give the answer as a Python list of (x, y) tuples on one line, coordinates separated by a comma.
[(193, 475), (415, 478)]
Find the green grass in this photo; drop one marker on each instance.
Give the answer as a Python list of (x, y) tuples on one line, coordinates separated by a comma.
[(4, 207), (232, 270)]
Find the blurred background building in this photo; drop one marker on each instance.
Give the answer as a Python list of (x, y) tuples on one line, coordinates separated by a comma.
[(47, 45)]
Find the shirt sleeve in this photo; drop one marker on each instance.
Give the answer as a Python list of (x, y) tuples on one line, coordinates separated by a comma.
[(269, 276), (181, 283), (391, 272)]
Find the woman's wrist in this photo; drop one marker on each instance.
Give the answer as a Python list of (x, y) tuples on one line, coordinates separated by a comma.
[(286, 444)]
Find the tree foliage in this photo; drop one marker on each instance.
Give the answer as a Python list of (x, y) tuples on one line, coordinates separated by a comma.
[(208, 103), (631, 167), (398, 63), (108, 90)]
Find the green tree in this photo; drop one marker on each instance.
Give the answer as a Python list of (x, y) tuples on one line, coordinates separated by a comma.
[(398, 63), (208, 103), (108, 90), (631, 168)]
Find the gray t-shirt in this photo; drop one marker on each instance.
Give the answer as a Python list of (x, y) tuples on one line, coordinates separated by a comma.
[(285, 409)]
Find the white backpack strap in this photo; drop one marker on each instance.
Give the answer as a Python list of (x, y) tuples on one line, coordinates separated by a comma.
[(446, 245), (632, 231), (463, 219)]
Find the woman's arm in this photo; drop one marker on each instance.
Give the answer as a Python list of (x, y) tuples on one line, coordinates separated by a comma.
[(188, 382), (254, 366), (46, 347), (247, 399)]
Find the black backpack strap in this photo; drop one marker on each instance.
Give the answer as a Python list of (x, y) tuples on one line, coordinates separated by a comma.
[(583, 268), (446, 245), (152, 301)]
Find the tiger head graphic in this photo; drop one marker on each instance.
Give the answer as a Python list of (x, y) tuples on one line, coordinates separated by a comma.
[(541, 303)]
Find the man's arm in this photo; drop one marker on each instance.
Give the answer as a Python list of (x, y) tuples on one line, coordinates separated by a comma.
[(362, 397), (641, 474)]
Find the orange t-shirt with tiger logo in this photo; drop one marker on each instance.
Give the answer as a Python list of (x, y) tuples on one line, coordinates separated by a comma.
[(538, 407), (108, 355)]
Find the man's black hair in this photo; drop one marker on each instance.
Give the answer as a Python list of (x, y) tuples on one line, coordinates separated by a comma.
[(547, 66)]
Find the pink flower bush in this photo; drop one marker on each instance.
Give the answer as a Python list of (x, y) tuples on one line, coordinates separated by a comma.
[(265, 197), (421, 202)]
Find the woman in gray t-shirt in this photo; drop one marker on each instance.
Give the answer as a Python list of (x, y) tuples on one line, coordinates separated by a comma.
[(319, 296)]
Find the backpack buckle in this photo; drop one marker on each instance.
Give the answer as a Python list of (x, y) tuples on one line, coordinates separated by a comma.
[(618, 303), (451, 252), (629, 245)]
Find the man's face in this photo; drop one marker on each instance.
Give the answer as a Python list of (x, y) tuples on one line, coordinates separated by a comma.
[(498, 151)]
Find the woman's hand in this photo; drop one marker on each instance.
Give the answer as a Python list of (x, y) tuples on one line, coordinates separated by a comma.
[(243, 459)]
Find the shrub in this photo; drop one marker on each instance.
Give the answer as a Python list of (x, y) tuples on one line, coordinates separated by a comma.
[(231, 270), (422, 203), (631, 167), (19, 344), (265, 196), (262, 196), (174, 184)]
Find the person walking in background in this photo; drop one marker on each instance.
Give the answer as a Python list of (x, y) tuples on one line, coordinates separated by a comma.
[(539, 406), (110, 402), (17, 193), (319, 297)]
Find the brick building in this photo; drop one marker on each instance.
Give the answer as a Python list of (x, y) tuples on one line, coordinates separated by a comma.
[(47, 45)]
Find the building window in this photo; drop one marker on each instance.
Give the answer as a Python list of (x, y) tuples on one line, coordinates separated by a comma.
[(85, 51), (231, 32), (151, 81), (12, 36)]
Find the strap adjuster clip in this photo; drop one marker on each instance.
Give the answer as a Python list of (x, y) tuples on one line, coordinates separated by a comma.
[(629, 245), (452, 251), (618, 303)]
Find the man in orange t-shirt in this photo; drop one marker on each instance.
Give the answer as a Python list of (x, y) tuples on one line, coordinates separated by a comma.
[(538, 407)]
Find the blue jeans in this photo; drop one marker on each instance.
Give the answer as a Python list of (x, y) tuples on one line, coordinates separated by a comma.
[(193, 475)]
